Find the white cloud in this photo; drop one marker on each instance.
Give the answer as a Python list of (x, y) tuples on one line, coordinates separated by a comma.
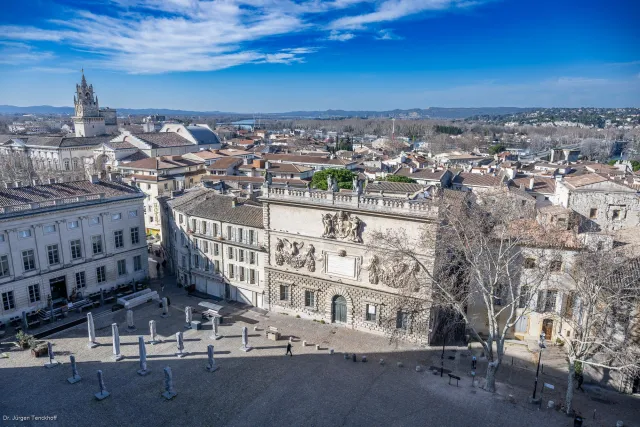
[(158, 36), (387, 35), (18, 53), (340, 37)]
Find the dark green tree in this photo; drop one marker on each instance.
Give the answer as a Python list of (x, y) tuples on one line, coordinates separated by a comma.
[(343, 176)]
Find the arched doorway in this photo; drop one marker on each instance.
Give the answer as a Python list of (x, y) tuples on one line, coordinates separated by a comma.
[(339, 309)]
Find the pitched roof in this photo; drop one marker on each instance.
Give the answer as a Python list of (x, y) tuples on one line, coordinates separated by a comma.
[(163, 139), (65, 141), (291, 158), (225, 163), (540, 184), (41, 193), (207, 155), (256, 180), (393, 187), (161, 162), (477, 179), (205, 203), (587, 179), (138, 155)]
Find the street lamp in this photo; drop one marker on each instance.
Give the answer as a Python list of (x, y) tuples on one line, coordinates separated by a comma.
[(542, 346)]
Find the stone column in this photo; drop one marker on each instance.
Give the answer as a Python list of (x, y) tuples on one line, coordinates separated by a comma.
[(103, 393), (130, 324), (152, 332), (180, 344), (75, 377), (143, 357), (92, 331), (211, 367), (188, 317), (215, 322), (116, 342), (165, 307), (245, 339), (169, 391), (52, 357)]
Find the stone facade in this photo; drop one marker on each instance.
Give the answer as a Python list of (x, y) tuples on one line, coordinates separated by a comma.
[(320, 261)]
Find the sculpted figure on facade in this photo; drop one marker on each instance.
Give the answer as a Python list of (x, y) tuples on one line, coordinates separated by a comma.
[(289, 253), (393, 274), (342, 226)]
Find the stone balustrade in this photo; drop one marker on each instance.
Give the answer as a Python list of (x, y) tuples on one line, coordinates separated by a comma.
[(392, 205), (51, 203)]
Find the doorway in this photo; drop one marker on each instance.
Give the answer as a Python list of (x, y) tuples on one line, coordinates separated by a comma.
[(58, 286), (339, 309), (547, 328)]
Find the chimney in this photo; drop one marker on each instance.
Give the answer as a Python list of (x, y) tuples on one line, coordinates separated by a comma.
[(52, 180), (17, 184), (532, 182), (267, 164), (234, 202), (34, 181)]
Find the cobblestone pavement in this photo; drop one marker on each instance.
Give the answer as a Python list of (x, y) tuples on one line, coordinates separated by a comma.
[(262, 387)]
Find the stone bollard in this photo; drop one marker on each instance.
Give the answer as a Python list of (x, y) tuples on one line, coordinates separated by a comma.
[(52, 357), (381, 362), (330, 351), (619, 424), (165, 307), (399, 364), (245, 340), (75, 377), (103, 393), (551, 404), (130, 324), (116, 342), (91, 328), (169, 391), (364, 359), (255, 328), (304, 343), (180, 344), (153, 337), (418, 368), (317, 346), (211, 366), (143, 357), (291, 339)]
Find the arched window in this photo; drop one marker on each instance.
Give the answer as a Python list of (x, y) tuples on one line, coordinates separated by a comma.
[(75, 163), (66, 164)]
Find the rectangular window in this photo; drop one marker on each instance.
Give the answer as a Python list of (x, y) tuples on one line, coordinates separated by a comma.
[(96, 244), (216, 264), (204, 227), (94, 220), (81, 281), (137, 263), (196, 261), (252, 257), (372, 313), (24, 234), (240, 234), (241, 274), (184, 261), (402, 320), (116, 217), (101, 274), (240, 255), (122, 267), (593, 213), (53, 254), (205, 246), (251, 237), (133, 213), (193, 225), (525, 296), (252, 277), (530, 263), (1, 237), (615, 214), (229, 232), (72, 225), (555, 266), (230, 252), (7, 301), (34, 293), (28, 260), (181, 219), (284, 293), (216, 249), (309, 299), (135, 236), (214, 229), (231, 271), (196, 243), (206, 264), (48, 229), (4, 265), (119, 239), (550, 301), (76, 249)]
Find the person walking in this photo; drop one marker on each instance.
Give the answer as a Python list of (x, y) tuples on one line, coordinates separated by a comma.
[(580, 381), (162, 287), (289, 350)]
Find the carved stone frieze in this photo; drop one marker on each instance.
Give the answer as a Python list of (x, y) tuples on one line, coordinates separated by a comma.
[(393, 274), (342, 225), (290, 253)]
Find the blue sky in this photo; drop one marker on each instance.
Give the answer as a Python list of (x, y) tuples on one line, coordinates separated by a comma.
[(282, 55)]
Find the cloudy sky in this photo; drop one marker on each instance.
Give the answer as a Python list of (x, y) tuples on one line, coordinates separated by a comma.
[(282, 55)]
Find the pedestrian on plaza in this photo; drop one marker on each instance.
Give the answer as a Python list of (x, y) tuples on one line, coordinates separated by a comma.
[(289, 350), (474, 361), (157, 269), (580, 381), (162, 287)]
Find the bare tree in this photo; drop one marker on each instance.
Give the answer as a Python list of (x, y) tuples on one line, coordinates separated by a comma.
[(475, 267), (601, 314)]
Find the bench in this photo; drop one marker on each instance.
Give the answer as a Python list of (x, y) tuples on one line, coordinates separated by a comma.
[(455, 377), (272, 333)]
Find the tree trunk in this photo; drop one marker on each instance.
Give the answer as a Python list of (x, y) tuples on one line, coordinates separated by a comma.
[(569, 396), (490, 378)]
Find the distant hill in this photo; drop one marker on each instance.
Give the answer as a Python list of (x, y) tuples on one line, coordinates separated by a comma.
[(433, 112)]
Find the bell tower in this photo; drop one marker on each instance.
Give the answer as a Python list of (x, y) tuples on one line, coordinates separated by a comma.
[(87, 120)]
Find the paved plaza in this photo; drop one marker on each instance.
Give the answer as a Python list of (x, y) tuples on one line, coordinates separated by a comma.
[(261, 387)]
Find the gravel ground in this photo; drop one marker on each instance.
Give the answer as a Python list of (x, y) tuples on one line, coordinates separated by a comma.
[(261, 387)]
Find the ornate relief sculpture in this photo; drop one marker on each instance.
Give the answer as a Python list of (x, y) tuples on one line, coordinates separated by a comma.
[(393, 274), (289, 253), (342, 226)]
